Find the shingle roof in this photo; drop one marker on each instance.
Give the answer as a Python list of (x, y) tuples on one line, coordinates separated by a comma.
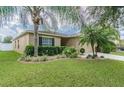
[(50, 33)]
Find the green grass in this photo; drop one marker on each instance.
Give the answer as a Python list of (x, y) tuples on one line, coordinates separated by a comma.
[(118, 53), (71, 72)]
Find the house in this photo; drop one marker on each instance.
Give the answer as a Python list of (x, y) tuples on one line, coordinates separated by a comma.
[(47, 38)]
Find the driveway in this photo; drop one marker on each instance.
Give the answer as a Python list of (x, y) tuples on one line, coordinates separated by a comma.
[(109, 56)]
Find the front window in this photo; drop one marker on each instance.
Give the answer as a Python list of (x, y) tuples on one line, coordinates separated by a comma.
[(18, 44), (46, 41)]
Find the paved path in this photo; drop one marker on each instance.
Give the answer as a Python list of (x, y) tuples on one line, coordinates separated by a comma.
[(109, 56)]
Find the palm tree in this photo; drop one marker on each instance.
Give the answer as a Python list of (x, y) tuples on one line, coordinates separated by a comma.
[(37, 20), (98, 36), (106, 36), (88, 36)]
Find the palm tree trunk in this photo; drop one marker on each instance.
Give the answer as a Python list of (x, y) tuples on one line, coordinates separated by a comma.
[(92, 45), (97, 49), (36, 26), (96, 52)]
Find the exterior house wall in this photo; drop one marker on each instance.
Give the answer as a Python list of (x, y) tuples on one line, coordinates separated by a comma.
[(121, 43), (20, 43), (57, 40), (74, 42)]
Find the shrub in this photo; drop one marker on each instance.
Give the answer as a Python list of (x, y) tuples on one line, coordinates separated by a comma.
[(28, 58), (70, 52), (29, 50), (109, 48), (22, 58), (113, 48), (73, 55), (45, 58), (35, 59), (106, 50), (82, 50), (44, 50)]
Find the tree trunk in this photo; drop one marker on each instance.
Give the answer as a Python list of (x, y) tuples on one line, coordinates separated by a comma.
[(97, 49), (36, 26), (96, 52), (92, 45)]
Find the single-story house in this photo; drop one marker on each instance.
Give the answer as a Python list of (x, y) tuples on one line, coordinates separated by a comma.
[(48, 38)]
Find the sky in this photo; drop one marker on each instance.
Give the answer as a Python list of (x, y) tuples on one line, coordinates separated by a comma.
[(15, 27)]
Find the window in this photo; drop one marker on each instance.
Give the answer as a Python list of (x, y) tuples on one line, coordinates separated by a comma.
[(18, 44), (15, 44), (46, 41)]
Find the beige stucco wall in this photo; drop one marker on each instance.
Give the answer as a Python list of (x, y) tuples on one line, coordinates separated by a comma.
[(57, 40), (22, 42), (74, 42), (28, 39), (121, 43)]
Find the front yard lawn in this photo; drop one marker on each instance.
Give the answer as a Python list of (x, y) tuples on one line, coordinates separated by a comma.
[(118, 53), (71, 72)]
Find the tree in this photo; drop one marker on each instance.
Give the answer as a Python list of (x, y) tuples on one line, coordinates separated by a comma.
[(106, 37), (107, 15), (6, 14), (7, 39), (88, 36), (98, 36), (37, 19)]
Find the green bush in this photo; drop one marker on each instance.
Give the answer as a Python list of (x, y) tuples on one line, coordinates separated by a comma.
[(44, 50), (113, 48), (82, 50), (70, 52), (109, 48), (106, 49), (74, 55), (29, 50)]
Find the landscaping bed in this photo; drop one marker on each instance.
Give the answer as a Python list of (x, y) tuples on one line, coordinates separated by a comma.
[(41, 59)]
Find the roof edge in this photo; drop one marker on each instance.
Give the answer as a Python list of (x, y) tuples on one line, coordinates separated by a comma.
[(50, 33)]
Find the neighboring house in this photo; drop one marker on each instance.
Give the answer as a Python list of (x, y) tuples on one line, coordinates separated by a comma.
[(47, 38), (121, 43)]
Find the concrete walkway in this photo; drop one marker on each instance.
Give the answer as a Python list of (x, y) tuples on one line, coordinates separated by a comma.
[(109, 56)]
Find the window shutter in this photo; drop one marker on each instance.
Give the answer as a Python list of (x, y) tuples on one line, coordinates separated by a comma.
[(52, 41)]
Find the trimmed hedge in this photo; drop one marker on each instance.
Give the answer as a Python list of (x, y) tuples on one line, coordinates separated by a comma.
[(44, 50)]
